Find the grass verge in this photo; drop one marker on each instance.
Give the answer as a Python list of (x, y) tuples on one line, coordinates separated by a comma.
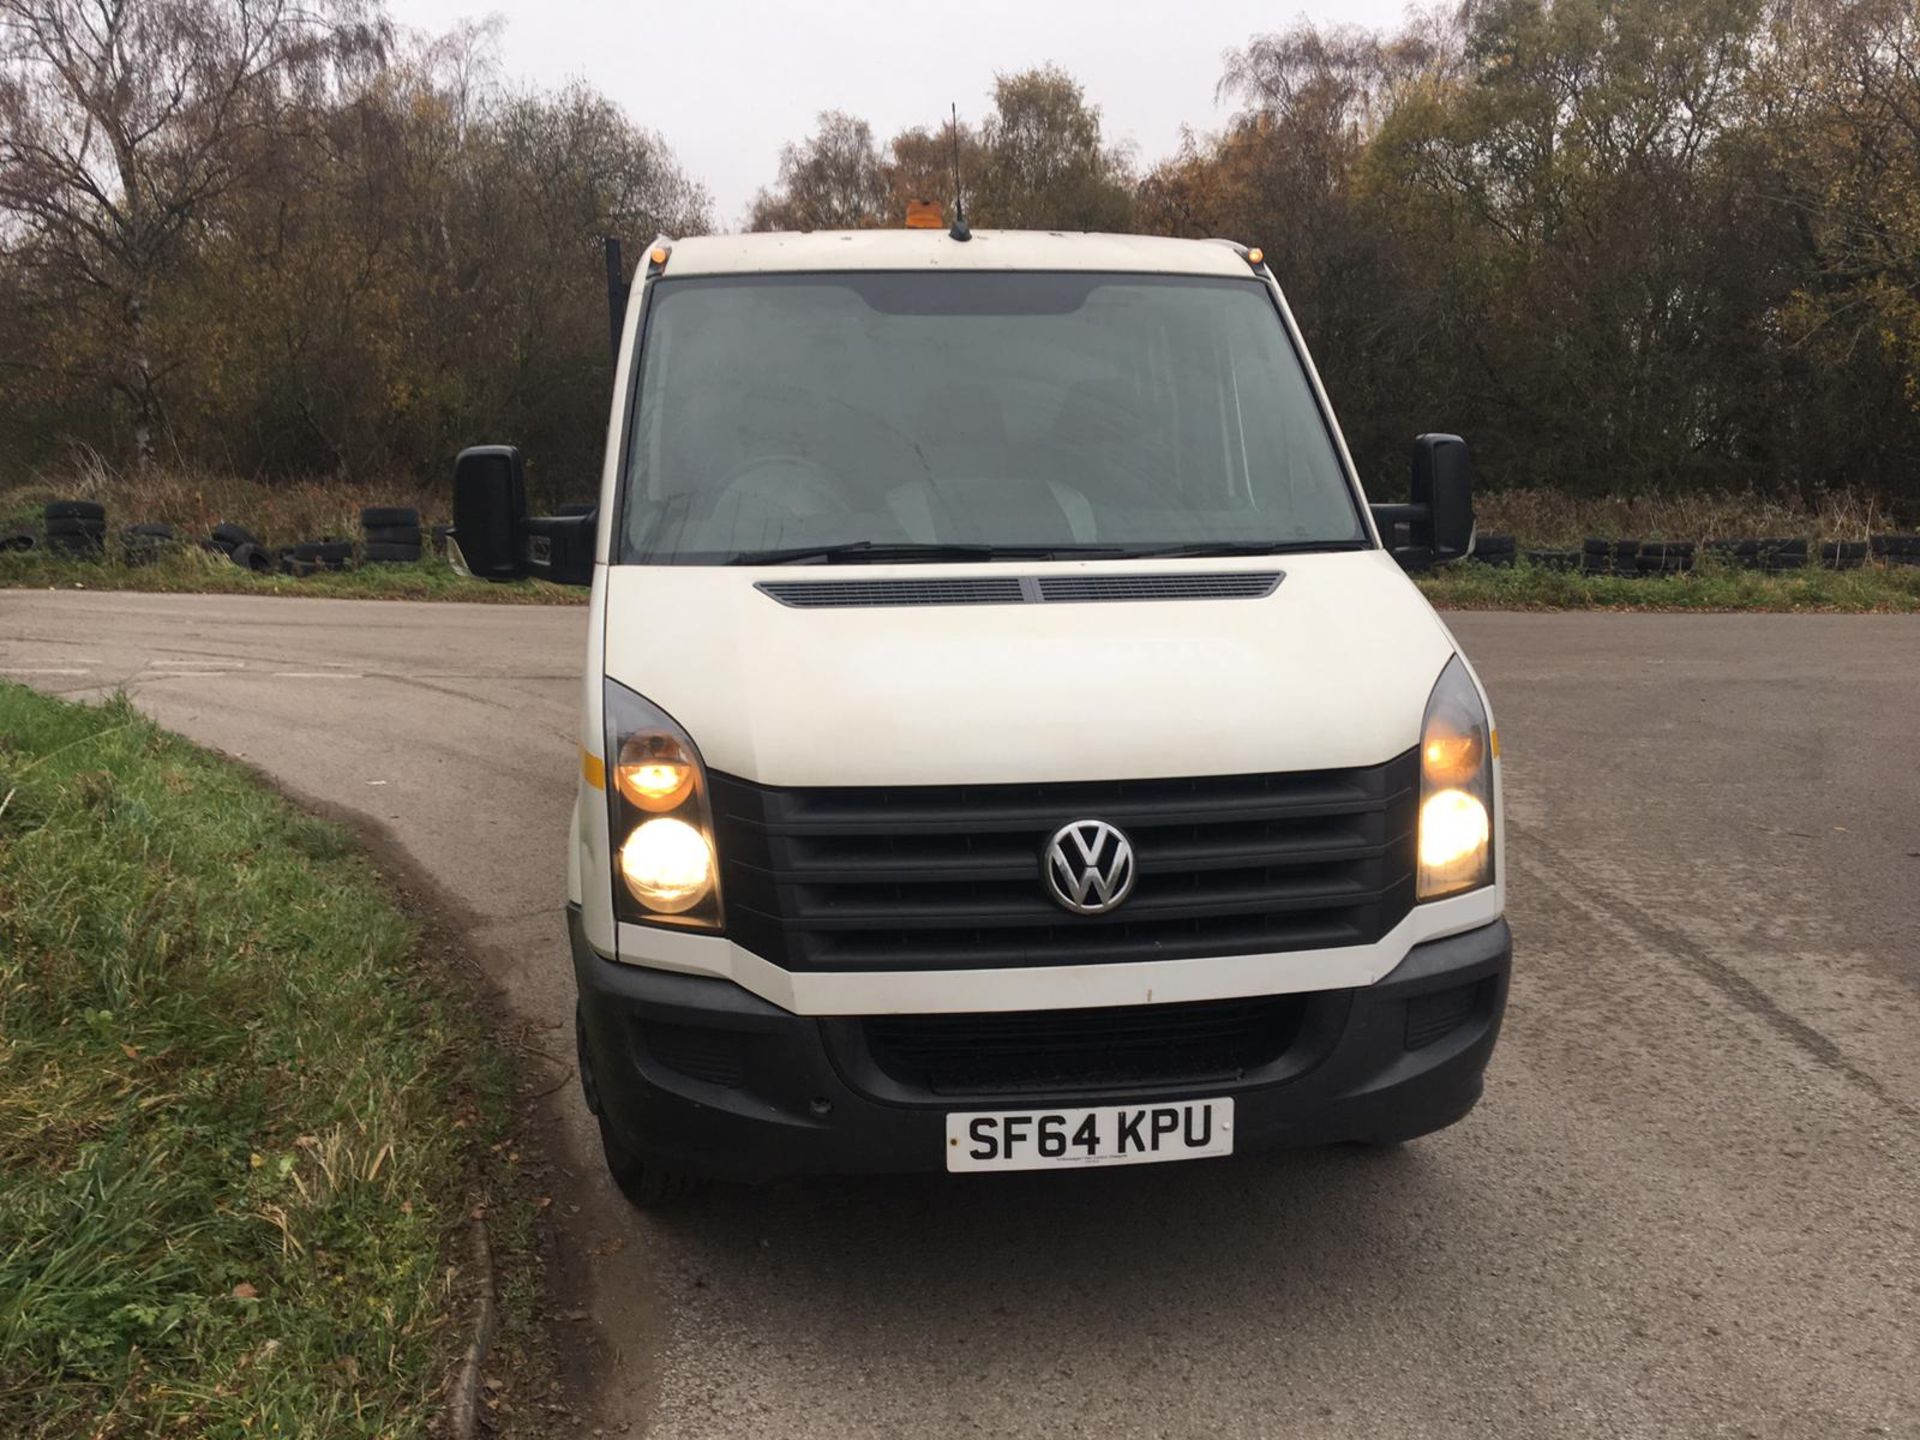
[(1472, 586), (240, 1123), (1467, 586), (188, 570)]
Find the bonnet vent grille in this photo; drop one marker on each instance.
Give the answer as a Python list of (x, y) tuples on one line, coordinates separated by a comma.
[(840, 594), (1232, 585), (1021, 590)]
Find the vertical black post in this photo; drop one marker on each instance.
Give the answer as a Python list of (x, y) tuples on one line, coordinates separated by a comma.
[(616, 295)]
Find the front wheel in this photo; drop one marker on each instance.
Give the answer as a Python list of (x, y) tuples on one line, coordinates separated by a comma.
[(644, 1183)]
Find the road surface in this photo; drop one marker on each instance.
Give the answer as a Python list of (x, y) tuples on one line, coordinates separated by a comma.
[(1688, 1205)]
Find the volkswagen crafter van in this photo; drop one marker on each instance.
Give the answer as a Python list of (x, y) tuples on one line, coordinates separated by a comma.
[(1006, 742)]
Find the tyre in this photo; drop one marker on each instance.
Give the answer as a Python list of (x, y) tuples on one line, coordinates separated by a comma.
[(232, 536), (88, 544), (144, 544), (18, 540), (251, 557), (299, 569), (1497, 550), (646, 1185), (375, 516), (76, 510), (393, 535), (392, 554), (328, 554), (70, 526)]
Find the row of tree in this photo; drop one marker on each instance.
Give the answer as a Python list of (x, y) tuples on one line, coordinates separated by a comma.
[(294, 243), (1620, 244)]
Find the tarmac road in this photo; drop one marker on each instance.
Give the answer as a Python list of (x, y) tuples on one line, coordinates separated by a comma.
[(1688, 1205)]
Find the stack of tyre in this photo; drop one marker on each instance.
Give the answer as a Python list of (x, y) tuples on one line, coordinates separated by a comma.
[(1664, 557), (392, 534), (1898, 549), (77, 528)]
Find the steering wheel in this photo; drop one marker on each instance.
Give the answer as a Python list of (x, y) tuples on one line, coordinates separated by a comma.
[(783, 484)]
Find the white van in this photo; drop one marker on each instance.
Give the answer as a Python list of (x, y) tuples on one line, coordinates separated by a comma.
[(1006, 743)]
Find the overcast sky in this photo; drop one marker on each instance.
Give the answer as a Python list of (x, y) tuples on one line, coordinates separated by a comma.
[(728, 83)]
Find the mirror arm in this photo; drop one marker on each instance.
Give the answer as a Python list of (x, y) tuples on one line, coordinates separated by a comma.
[(560, 548)]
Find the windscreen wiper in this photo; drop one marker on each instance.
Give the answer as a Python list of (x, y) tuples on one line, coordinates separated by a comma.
[(878, 552), (1233, 547)]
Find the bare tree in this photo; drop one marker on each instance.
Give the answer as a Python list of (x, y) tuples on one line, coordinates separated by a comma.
[(119, 126), (834, 180)]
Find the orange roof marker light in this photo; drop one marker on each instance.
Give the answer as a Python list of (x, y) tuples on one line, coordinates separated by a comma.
[(925, 215), (658, 255), (1256, 256)]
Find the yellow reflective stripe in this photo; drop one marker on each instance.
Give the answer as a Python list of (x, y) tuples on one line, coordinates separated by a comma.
[(1496, 744), (594, 769)]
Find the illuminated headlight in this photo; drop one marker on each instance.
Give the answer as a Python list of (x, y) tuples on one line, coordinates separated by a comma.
[(667, 870), (668, 865), (1456, 789)]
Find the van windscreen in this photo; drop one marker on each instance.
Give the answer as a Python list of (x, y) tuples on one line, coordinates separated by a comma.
[(1094, 412)]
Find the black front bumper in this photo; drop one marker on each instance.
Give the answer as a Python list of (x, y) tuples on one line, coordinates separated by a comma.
[(702, 1077)]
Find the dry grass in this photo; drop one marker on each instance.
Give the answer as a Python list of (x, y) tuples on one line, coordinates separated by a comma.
[(279, 512), (1872, 589), (1548, 519), (187, 570)]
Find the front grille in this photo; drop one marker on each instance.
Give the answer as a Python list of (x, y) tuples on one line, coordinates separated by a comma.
[(950, 877), (1212, 1041)]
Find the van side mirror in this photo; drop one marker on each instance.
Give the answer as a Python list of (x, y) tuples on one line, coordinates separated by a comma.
[(1443, 482), (1439, 520), (490, 510)]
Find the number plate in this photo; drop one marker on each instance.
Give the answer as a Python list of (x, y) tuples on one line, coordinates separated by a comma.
[(1103, 1135)]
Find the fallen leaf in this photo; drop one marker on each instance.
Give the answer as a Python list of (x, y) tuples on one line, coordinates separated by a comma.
[(244, 1291), (132, 1052)]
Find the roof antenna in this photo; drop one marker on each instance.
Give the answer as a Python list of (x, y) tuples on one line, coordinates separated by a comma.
[(959, 230)]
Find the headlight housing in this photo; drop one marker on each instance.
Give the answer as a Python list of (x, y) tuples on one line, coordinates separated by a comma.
[(666, 869), (1456, 789)]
